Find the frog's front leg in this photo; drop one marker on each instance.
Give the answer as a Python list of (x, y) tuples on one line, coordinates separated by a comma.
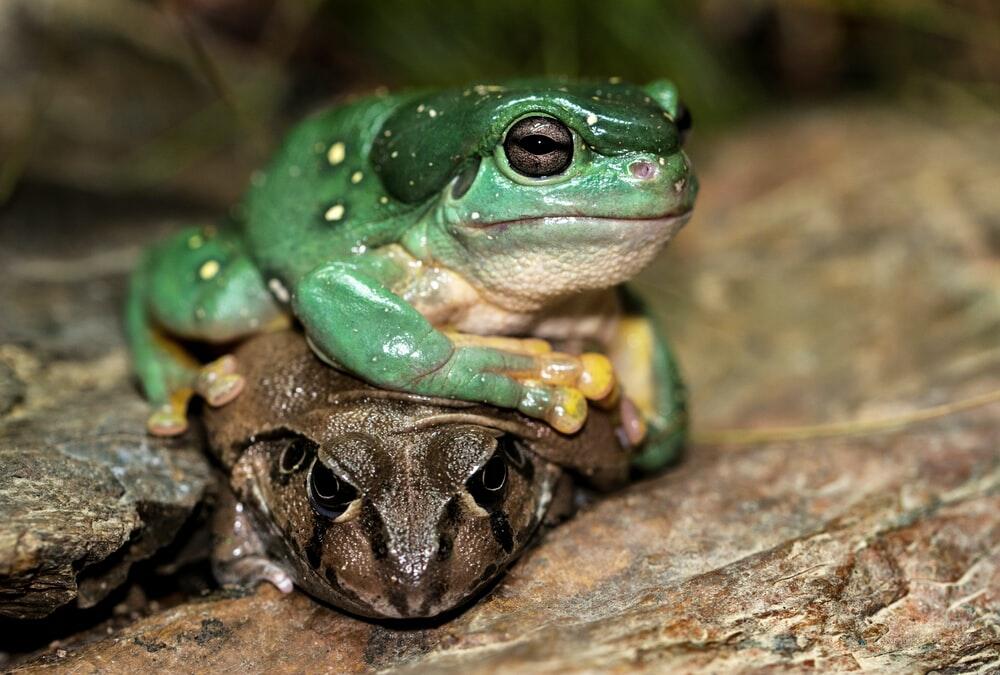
[(352, 318)]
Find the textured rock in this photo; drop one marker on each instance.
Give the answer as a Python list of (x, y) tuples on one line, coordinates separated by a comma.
[(843, 265), (83, 492)]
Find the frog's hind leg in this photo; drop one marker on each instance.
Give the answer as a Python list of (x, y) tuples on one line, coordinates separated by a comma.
[(651, 380), (198, 286)]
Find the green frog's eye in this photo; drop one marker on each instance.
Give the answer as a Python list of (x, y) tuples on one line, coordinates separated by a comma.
[(330, 496), (488, 485), (683, 121), (539, 146)]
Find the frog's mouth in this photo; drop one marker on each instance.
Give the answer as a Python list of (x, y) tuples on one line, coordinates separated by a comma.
[(674, 218)]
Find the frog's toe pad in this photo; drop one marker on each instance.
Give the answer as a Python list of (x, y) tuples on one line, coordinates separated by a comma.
[(562, 408), (167, 420), (223, 389), (597, 380), (569, 412), (219, 383), (280, 580), (633, 424)]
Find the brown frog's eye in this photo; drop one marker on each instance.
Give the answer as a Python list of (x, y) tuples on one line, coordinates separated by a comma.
[(294, 455), (539, 146), (488, 485), (329, 495)]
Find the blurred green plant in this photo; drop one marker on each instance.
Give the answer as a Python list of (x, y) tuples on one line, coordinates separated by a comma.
[(191, 94)]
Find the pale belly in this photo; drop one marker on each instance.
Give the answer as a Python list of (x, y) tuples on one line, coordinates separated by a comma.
[(450, 302)]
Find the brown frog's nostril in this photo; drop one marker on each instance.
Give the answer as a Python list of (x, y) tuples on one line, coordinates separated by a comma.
[(643, 170)]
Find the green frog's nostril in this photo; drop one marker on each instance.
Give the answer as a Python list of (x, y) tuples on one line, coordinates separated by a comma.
[(643, 170)]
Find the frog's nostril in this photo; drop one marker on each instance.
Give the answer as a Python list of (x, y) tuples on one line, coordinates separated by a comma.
[(643, 170)]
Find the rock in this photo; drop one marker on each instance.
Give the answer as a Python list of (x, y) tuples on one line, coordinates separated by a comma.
[(84, 493), (842, 266)]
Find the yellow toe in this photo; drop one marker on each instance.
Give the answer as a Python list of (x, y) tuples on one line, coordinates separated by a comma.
[(598, 377), (166, 421), (569, 413)]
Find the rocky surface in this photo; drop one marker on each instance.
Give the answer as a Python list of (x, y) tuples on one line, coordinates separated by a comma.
[(843, 265), (84, 493)]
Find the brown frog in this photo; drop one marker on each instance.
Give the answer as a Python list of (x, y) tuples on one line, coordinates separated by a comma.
[(385, 503)]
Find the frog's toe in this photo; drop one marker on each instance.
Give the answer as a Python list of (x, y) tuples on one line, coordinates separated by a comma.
[(277, 577), (167, 420), (222, 389), (597, 379), (633, 423), (562, 408), (219, 383), (591, 373)]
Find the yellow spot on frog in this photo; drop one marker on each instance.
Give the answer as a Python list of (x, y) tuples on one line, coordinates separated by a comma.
[(208, 270), (432, 112), (614, 79), (335, 155), (335, 212), (195, 241), (591, 119), (383, 200), (662, 161), (356, 177)]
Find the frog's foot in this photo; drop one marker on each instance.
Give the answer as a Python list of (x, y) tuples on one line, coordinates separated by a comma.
[(555, 386), (219, 382), (253, 569), (170, 418)]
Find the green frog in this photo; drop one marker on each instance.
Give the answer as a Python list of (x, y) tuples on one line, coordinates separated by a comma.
[(434, 243)]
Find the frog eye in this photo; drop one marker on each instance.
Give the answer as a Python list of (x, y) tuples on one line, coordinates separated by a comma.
[(294, 455), (488, 485), (683, 120), (539, 146), (330, 496)]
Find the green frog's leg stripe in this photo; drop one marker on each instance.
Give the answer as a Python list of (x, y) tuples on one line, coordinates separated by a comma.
[(668, 427)]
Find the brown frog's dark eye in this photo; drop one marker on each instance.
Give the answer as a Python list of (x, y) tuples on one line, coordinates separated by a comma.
[(329, 495), (294, 455), (683, 120), (539, 146), (488, 485)]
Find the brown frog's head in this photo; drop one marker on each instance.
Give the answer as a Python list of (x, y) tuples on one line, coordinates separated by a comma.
[(388, 504)]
